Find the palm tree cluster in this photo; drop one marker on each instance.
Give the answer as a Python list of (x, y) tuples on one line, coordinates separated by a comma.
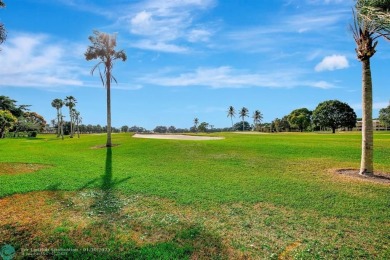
[(243, 113), (74, 115)]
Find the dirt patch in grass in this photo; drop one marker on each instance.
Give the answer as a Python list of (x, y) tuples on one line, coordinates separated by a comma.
[(145, 225), (20, 168), (286, 253), (378, 177), (100, 219)]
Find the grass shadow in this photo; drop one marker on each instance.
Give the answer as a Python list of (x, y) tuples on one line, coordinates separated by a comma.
[(107, 202), (87, 184)]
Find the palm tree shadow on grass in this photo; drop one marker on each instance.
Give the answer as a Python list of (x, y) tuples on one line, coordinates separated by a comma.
[(107, 202)]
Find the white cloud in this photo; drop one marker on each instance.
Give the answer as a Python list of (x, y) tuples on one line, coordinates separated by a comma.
[(161, 23), (318, 2), (141, 22), (322, 84), (159, 46), (309, 22), (199, 35), (288, 32), (148, 24), (227, 77), (334, 62), (30, 61)]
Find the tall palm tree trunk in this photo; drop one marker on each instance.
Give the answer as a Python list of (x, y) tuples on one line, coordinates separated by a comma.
[(231, 118), (367, 167), (108, 85), (62, 128), (71, 122), (58, 123)]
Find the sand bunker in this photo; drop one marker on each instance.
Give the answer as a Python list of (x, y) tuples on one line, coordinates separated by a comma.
[(177, 137)]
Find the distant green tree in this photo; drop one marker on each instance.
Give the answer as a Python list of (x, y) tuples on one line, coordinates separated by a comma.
[(276, 124), (24, 125), (384, 116), (124, 129), (334, 114), (98, 128), (171, 129), (31, 123), (7, 120), (103, 48), (231, 113), (137, 129), (160, 129), (284, 124), (35, 119), (244, 112), (300, 118), (203, 126), (242, 126)]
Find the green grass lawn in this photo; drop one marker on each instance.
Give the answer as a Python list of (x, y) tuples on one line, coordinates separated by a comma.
[(247, 196)]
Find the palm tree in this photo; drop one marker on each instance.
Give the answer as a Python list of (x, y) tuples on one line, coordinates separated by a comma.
[(103, 48), (70, 102), (77, 119), (196, 122), (371, 21), (3, 33), (231, 113), (243, 113), (58, 104), (257, 117)]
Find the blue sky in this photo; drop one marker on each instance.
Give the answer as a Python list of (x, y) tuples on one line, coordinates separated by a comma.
[(187, 58)]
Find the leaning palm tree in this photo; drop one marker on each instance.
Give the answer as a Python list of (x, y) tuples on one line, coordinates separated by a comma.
[(58, 104), (70, 102), (231, 113), (371, 21), (103, 48), (243, 113), (257, 117), (196, 122)]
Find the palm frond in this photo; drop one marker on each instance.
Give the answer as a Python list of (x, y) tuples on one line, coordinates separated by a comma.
[(101, 77), (94, 67), (113, 78)]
